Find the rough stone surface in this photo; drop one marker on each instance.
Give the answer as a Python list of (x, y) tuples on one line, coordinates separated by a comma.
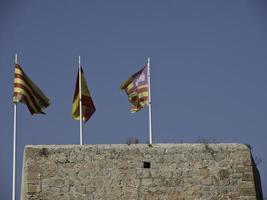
[(115, 172)]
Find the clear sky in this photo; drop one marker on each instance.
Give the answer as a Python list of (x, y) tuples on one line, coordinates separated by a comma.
[(208, 62)]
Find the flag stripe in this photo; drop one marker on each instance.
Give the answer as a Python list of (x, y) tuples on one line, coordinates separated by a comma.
[(25, 91), (19, 74), (21, 79), (88, 107), (85, 90), (25, 99), (136, 87), (139, 89), (19, 88), (87, 111), (87, 101)]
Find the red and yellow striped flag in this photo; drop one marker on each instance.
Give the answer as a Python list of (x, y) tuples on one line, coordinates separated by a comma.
[(25, 91), (88, 107), (136, 87)]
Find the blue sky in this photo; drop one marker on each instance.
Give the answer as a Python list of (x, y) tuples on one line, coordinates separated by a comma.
[(208, 68)]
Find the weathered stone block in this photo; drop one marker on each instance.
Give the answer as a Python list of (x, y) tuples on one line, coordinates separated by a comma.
[(138, 172), (247, 192)]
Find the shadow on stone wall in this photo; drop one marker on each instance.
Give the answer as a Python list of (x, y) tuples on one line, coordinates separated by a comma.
[(257, 180)]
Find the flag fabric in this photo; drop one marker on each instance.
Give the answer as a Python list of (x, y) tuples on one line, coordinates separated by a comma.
[(25, 91), (88, 107), (136, 87)]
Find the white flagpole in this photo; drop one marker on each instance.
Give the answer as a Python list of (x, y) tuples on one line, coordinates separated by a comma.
[(80, 101), (14, 145), (149, 102)]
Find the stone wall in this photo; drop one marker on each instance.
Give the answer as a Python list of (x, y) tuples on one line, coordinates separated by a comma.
[(138, 172)]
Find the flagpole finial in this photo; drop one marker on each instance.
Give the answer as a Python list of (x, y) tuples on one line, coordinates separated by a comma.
[(16, 58)]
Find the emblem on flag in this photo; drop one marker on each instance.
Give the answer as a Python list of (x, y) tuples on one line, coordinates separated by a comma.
[(136, 87)]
